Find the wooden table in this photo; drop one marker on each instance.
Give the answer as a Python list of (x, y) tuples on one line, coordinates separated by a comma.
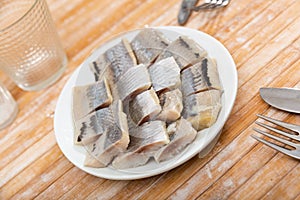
[(264, 40)]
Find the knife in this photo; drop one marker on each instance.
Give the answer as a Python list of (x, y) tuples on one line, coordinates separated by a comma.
[(287, 99)]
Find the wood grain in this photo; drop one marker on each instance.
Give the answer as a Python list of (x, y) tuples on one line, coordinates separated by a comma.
[(264, 40)]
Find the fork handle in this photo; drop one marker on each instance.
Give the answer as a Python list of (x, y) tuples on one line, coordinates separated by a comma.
[(186, 10)]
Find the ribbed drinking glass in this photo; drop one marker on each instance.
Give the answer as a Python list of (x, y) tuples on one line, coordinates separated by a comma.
[(31, 53)]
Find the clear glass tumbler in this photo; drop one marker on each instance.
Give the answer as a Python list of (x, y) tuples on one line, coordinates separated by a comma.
[(30, 49), (8, 107)]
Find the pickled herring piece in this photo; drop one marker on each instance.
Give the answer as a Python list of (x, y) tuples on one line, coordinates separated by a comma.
[(148, 44), (121, 58), (165, 74), (99, 66), (202, 109), (115, 139), (199, 77), (183, 135), (88, 98), (144, 106), (130, 160), (133, 82), (144, 140), (185, 51), (172, 106), (90, 161), (89, 128)]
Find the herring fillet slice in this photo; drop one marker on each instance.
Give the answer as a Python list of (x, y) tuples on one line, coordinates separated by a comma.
[(165, 74), (199, 77), (114, 141), (206, 117), (148, 44), (133, 82), (121, 58), (99, 66), (130, 160), (143, 141), (89, 128), (185, 51), (142, 136), (88, 98), (202, 109), (90, 161), (183, 135), (118, 59), (144, 106), (172, 105)]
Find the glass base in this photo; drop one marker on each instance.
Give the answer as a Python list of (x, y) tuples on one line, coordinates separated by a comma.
[(12, 117), (47, 82)]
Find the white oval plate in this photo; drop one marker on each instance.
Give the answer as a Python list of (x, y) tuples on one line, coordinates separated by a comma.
[(63, 124)]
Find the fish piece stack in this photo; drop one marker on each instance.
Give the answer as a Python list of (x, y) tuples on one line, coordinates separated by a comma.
[(150, 100)]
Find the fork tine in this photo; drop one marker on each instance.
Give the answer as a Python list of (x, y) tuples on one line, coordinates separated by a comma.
[(276, 147), (289, 135), (204, 6), (211, 5), (225, 2), (277, 138), (280, 123)]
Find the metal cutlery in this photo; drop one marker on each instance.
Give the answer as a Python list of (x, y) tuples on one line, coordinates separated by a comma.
[(187, 6), (294, 147), (211, 5), (287, 99)]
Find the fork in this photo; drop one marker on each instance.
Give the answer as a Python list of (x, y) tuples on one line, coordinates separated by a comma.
[(295, 151), (187, 6), (211, 4)]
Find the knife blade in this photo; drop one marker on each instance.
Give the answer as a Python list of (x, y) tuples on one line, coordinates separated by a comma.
[(287, 99)]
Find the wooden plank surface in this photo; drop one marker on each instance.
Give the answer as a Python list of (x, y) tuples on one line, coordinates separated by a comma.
[(264, 39)]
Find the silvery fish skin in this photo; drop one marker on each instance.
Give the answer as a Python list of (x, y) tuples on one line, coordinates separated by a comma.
[(148, 44), (88, 98), (185, 51), (144, 106), (143, 141), (89, 128), (183, 135), (114, 141), (121, 58), (148, 136), (165, 74), (133, 82), (118, 59), (202, 109), (199, 77), (99, 67), (172, 105)]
